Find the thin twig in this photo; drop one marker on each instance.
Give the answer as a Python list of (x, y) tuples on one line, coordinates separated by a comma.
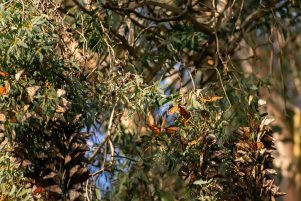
[(104, 155), (218, 55), (97, 172), (87, 193), (192, 80), (108, 134), (112, 151)]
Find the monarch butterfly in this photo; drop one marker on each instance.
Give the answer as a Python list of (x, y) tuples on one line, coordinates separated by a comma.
[(212, 99), (2, 117), (155, 129), (210, 62), (13, 119), (39, 190), (173, 110), (183, 112), (257, 145), (4, 89), (168, 130), (171, 130), (4, 74)]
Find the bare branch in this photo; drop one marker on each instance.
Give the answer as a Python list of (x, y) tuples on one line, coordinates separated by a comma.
[(107, 136)]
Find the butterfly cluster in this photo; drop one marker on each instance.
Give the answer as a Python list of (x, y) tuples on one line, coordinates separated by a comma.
[(184, 114)]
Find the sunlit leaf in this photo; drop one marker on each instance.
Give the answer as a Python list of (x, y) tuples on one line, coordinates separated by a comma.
[(202, 182), (60, 92), (31, 91), (18, 74)]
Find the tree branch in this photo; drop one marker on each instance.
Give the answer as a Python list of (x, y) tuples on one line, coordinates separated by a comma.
[(108, 134), (180, 14)]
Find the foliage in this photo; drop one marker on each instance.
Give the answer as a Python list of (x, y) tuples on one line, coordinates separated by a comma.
[(46, 99), (35, 103), (12, 180), (197, 139), (162, 85)]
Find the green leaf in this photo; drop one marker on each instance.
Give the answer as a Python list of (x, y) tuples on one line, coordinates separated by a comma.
[(28, 197), (21, 43), (3, 187), (13, 190), (23, 192), (98, 194)]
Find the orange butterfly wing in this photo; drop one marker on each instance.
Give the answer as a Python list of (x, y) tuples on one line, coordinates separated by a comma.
[(184, 113), (4, 74), (257, 145), (3, 90), (39, 190), (173, 110), (171, 130), (212, 99), (155, 129), (13, 119)]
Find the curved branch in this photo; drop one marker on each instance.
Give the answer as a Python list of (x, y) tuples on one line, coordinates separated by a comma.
[(180, 14)]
